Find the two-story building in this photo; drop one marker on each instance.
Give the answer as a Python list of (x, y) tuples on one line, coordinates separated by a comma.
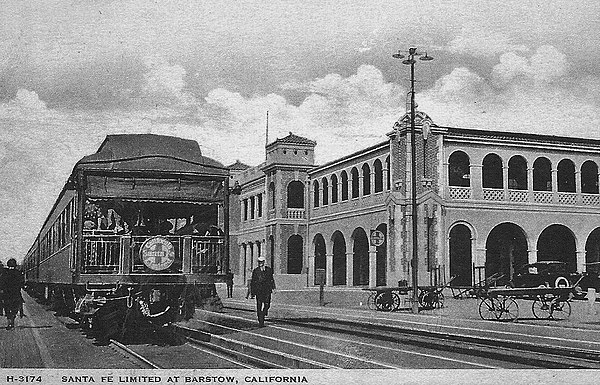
[(487, 202)]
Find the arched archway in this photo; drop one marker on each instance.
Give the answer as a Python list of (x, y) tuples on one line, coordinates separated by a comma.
[(381, 259), (360, 248), (506, 251), (461, 258), (492, 172), (339, 258), (295, 254), (557, 243), (320, 255), (459, 173), (592, 252)]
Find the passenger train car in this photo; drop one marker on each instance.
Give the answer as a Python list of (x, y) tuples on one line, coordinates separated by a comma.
[(139, 232)]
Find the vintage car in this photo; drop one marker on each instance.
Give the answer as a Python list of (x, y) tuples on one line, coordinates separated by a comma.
[(545, 273)]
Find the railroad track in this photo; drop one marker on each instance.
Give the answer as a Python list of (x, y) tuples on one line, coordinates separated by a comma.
[(493, 350), (135, 357)]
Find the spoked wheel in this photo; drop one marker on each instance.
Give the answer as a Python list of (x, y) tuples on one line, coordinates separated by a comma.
[(508, 310), (387, 301), (427, 300), (561, 310), (541, 308), (487, 309)]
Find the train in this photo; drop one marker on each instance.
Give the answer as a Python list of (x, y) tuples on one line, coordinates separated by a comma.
[(139, 235)]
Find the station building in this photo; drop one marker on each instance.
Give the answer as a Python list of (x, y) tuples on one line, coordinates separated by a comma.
[(488, 202)]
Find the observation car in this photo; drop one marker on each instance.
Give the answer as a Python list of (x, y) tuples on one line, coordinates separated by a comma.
[(139, 232)]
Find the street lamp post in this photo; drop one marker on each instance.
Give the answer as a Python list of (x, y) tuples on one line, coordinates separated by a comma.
[(410, 60)]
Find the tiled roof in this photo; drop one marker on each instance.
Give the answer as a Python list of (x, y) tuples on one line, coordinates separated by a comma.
[(295, 139), (238, 166)]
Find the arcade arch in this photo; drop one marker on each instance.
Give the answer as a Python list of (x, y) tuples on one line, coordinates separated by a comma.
[(360, 249), (506, 251), (339, 258), (461, 259), (557, 243)]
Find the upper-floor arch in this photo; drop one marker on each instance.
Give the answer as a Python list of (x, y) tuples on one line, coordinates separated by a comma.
[(459, 173), (492, 171)]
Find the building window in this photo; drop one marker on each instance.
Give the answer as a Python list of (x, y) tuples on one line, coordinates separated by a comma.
[(252, 207), (459, 169), (295, 254), (316, 194), (366, 172), (355, 182), (272, 193), (492, 172), (566, 176), (259, 197), (344, 186), (517, 173), (378, 175), (542, 175), (334, 188), (388, 173), (295, 195), (325, 183), (245, 209), (589, 178)]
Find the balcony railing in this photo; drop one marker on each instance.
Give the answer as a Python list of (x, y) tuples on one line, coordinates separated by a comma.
[(512, 195), (104, 253), (295, 213)]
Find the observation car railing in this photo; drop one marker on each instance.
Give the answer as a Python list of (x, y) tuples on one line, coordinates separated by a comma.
[(103, 253)]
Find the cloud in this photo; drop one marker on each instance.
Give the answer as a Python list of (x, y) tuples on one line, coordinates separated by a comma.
[(546, 65), (480, 41)]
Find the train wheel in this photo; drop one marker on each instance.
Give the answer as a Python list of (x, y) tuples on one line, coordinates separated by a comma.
[(561, 310), (487, 308), (509, 310), (540, 308)]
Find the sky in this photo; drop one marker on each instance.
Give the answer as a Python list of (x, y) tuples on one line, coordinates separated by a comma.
[(72, 72)]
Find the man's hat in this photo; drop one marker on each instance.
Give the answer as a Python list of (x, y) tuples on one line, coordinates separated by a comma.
[(261, 259)]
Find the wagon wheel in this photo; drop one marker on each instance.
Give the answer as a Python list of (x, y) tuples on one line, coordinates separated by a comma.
[(426, 300), (487, 308), (384, 301), (508, 310), (560, 310), (371, 301), (541, 308)]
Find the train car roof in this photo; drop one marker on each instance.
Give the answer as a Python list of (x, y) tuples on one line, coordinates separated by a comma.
[(150, 152)]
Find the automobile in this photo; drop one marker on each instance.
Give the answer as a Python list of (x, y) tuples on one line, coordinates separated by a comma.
[(545, 273)]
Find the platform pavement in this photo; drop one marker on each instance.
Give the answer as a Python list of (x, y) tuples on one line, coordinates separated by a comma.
[(584, 314), (41, 340)]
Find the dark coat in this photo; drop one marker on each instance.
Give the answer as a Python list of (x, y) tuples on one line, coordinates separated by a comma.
[(11, 283), (262, 281)]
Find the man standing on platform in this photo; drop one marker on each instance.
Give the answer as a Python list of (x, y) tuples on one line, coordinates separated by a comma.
[(262, 285), (11, 283)]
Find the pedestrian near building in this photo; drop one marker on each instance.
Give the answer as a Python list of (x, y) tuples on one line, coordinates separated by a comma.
[(11, 283), (1, 294), (262, 286), (229, 283)]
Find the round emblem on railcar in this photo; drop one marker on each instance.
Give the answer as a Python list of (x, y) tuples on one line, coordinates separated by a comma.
[(157, 253)]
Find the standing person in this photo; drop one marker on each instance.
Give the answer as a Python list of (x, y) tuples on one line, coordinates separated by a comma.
[(11, 283), (1, 293), (229, 283), (262, 286)]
